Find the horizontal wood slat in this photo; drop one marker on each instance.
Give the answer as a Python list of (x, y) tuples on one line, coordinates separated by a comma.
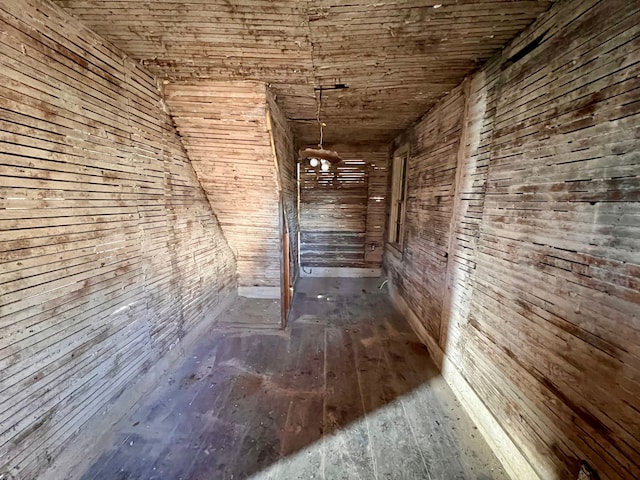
[(397, 58), (342, 211), (109, 250), (333, 214), (431, 170), (223, 126), (538, 289)]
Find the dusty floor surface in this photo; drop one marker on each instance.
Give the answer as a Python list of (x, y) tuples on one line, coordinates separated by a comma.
[(347, 391)]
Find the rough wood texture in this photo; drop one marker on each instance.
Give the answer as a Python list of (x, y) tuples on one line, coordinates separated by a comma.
[(285, 151), (542, 314), (376, 205), (109, 251), (342, 211), (223, 126), (397, 57), (431, 170), (347, 391)]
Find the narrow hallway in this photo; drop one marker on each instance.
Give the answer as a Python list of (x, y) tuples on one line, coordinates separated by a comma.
[(346, 391)]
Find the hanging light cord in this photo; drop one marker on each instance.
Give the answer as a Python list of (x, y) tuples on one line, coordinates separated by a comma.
[(318, 116)]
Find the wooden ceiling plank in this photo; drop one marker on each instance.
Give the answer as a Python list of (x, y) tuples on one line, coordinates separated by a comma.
[(397, 58)]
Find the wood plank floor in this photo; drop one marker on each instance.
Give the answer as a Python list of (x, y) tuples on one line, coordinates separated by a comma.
[(347, 391)]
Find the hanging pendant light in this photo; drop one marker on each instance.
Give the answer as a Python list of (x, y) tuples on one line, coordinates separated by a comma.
[(320, 156)]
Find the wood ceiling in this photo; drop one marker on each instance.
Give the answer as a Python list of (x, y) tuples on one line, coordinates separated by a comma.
[(396, 57)]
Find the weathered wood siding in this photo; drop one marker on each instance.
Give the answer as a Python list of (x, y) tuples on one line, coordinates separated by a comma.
[(223, 126), (431, 171), (109, 250), (397, 57), (342, 211), (284, 144), (531, 275)]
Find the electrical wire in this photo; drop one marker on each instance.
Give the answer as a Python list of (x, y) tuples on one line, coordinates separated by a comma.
[(319, 100)]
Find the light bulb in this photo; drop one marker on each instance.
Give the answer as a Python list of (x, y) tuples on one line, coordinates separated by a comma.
[(313, 162), (325, 167)]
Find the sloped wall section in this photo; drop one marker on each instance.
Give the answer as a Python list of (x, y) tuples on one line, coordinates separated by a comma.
[(223, 126), (110, 254), (521, 268)]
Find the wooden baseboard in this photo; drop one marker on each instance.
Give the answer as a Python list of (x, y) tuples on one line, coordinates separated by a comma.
[(94, 435), (340, 272), (260, 292), (508, 453)]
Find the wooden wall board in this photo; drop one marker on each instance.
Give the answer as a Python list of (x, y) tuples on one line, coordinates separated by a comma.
[(109, 250), (543, 269), (431, 172), (397, 58), (223, 126), (342, 211)]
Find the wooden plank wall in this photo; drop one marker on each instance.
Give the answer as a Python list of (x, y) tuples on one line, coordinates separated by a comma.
[(109, 250), (223, 126), (431, 171), (540, 297), (340, 218), (284, 144)]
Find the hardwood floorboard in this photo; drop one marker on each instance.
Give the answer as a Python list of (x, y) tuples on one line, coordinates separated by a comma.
[(347, 391)]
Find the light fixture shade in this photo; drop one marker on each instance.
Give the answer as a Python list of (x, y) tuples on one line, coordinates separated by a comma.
[(321, 154)]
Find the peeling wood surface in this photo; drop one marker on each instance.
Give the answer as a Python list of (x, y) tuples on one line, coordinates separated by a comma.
[(109, 251), (223, 128), (397, 57), (545, 265), (342, 211)]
